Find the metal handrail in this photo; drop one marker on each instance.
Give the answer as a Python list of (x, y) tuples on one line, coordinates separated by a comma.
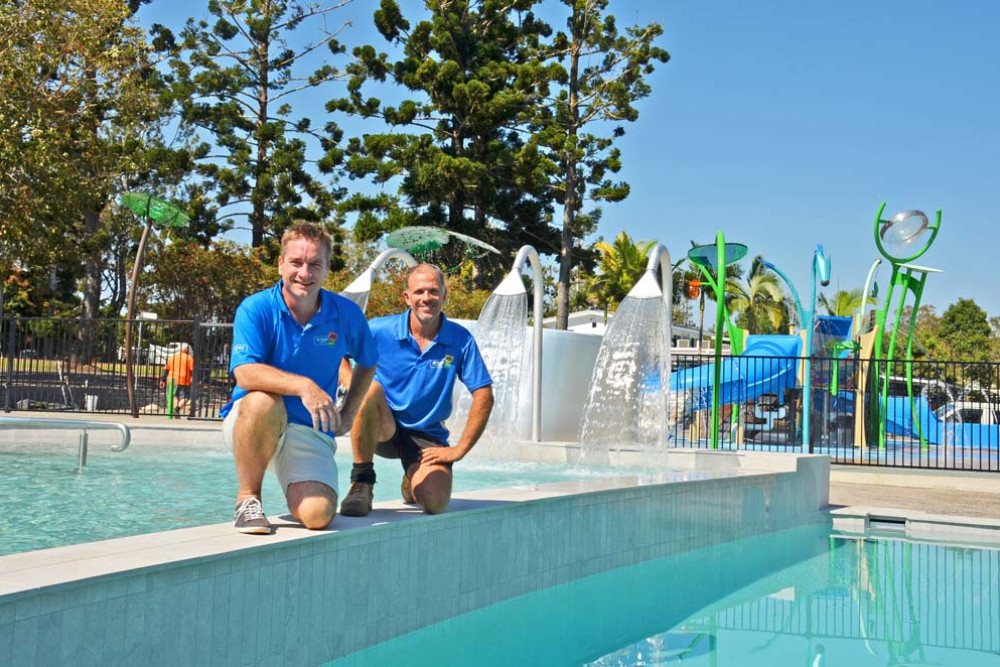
[(84, 424)]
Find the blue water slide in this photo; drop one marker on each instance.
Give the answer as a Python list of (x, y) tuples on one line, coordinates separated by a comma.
[(902, 418), (767, 366)]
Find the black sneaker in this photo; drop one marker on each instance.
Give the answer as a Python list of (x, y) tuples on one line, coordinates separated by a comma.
[(358, 501), (249, 518)]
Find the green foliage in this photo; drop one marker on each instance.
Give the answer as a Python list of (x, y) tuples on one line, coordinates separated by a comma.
[(41, 291), (758, 304), (620, 266), (233, 82), (76, 116), (188, 281), (454, 154), (966, 331), (843, 303), (598, 75)]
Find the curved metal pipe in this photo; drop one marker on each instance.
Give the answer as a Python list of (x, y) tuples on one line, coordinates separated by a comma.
[(529, 254), (868, 282), (70, 424), (795, 294), (659, 256), (362, 285)]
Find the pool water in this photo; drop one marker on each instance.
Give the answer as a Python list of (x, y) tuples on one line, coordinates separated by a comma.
[(46, 501), (799, 597)]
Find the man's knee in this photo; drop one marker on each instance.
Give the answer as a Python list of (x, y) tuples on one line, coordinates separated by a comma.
[(433, 502), (262, 403), (432, 489), (314, 504)]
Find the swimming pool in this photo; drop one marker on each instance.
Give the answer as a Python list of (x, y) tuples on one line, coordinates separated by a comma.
[(804, 596), (47, 501), (306, 597)]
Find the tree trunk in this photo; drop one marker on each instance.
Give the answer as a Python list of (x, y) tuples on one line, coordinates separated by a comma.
[(93, 268), (566, 249), (570, 203)]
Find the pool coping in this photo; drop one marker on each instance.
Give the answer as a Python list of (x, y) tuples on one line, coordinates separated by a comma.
[(27, 572), (917, 525)]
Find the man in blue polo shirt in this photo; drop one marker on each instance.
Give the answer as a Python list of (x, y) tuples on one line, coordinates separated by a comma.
[(288, 344), (421, 354)]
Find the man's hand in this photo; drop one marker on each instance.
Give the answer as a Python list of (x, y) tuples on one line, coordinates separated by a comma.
[(323, 409), (440, 455)]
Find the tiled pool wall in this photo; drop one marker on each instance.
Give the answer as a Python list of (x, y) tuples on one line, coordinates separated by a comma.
[(323, 595)]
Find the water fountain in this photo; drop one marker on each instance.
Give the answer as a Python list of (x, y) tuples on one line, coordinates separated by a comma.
[(627, 405), (502, 338)]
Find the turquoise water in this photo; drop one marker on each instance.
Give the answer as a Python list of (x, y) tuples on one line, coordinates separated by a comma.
[(45, 501), (799, 597)]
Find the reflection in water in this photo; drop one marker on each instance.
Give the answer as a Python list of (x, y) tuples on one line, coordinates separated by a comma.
[(798, 597), (865, 602)]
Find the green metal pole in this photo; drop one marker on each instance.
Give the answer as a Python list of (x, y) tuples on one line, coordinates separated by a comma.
[(720, 305), (170, 398)]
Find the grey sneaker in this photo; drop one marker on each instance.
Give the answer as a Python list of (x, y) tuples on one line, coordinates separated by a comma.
[(249, 518), (407, 491), (358, 501)]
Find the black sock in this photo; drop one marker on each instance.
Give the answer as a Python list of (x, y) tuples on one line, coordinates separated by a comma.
[(363, 472)]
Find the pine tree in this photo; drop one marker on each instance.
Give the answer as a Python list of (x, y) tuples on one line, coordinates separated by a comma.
[(234, 82), (454, 154), (602, 77)]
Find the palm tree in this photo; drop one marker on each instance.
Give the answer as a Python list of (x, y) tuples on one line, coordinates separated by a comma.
[(758, 301), (844, 303), (620, 266)]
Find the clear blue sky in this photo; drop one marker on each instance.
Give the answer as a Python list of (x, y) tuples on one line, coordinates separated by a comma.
[(786, 123)]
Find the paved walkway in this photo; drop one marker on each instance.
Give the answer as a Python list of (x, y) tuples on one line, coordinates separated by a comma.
[(938, 492), (937, 501)]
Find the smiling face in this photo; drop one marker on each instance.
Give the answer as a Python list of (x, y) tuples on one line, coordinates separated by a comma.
[(425, 294), (303, 265)]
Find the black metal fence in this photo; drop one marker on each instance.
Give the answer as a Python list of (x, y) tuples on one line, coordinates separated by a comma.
[(79, 365), (918, 414), (921, 414)]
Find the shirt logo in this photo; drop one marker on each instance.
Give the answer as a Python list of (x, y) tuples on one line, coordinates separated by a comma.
[(442, 363), (329, 339)]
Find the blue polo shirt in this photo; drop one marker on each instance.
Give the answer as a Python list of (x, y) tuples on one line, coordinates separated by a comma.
[(418, 385), (266, 332)]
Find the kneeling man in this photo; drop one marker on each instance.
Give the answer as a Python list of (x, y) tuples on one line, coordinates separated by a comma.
[(420, 354)]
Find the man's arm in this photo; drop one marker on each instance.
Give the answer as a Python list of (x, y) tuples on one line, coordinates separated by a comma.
[(479, 415), (261, 377)]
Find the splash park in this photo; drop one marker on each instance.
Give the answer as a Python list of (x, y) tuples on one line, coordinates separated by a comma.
[(628, 505)]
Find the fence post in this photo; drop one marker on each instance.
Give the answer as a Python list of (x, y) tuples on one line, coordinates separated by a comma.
[(10, 364), (195, 377)]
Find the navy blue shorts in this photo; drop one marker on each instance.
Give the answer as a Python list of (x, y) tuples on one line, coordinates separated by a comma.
[(405, 445)]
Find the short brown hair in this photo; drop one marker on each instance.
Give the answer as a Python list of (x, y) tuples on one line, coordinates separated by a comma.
[(309, 231), (424, 267)]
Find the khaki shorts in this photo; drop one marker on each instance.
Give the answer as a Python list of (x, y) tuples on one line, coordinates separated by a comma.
[(303, 454)]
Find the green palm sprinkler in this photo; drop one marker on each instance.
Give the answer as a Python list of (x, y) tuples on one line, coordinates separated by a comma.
[(713, 259)]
